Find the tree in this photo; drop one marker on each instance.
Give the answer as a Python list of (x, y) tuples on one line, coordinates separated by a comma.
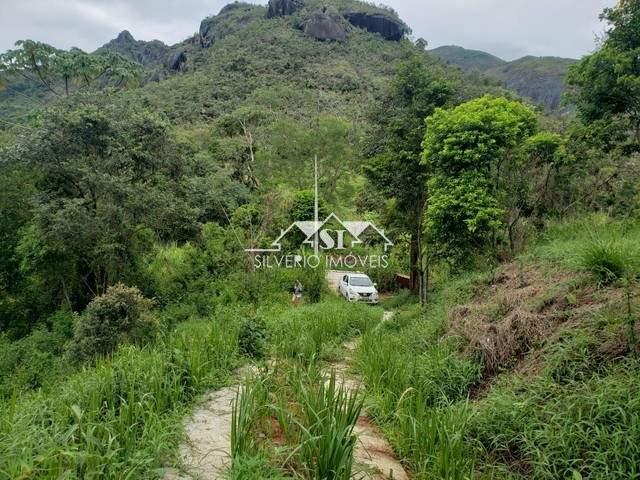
[(63, 72), (607, 82), (605, 86), (239, 142), (107, 174), (294, 145), (471, 155), (394, 148)]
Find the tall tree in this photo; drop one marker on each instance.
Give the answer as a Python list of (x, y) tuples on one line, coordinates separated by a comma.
[(106, 175), (470, 152), (394, 148), (64, 72), (607, 82)]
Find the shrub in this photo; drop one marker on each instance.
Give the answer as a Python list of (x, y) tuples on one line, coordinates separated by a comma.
[(314, 283), (252, 338), (121, 314), (606, 261), (35, 361)]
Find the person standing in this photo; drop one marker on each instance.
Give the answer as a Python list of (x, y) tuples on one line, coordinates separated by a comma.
[(297, 293)]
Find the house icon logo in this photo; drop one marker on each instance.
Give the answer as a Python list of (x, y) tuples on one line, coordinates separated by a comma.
[(330, 234)]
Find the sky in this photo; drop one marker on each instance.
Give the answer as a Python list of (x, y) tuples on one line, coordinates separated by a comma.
[(509, 29)]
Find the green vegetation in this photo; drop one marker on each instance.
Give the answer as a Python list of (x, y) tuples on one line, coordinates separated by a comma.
[(120, 418), (127, 291), (567, 405)]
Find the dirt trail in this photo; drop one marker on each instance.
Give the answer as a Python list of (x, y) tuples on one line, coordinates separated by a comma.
[(373, 454), (206, 454)]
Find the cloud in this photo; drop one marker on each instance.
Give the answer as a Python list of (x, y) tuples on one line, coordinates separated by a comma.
[(507, 28)]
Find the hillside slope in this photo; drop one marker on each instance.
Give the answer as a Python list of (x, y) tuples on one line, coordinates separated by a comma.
[(530, 367), (296, 57), (539, 78)]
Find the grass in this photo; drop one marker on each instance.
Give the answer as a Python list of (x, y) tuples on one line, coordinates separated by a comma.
[(310, 332), (293, 418), (315, 418), (574, 413), (608, 262), (417, 384), (592, 242), (545, 430), (121, 418), (329, 415)]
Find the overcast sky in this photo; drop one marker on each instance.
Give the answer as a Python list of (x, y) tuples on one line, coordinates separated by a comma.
[(507, 28)]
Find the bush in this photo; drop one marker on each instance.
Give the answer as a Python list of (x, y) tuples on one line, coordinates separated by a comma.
[(35, 361), (606, 261), (121, 314), (252, 338), (314, 283)]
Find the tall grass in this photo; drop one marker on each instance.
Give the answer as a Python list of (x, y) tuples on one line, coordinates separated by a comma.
[(593, 242), (117, 420), (432, 439), (250, 399), (329, 416), (552, 430), (306, 333), (316, 417)]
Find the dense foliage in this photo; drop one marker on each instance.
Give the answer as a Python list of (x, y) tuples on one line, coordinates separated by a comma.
[(126, 289)]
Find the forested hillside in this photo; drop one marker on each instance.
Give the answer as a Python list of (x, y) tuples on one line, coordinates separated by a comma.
[(542, 79), (138, 180)]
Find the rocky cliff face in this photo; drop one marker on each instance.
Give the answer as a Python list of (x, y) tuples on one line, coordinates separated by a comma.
[(178, 61), (325, 25), (145, 53), (390, 28)]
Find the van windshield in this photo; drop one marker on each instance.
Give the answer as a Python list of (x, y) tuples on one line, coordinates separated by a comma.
[(361, 282)]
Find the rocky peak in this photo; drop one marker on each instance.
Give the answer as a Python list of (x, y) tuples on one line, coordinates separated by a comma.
[(281, 8), (125, 37), (145, 53), (231, 18)]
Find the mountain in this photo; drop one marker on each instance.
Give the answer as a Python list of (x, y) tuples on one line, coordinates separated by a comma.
[(538, 78), (468, 59), (295, 59), (292, 58), (145, 53)]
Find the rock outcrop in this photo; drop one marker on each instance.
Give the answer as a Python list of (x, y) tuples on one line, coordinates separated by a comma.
[(281, 8), (146, 53), (390, 28), (325, 25), (178, 61)]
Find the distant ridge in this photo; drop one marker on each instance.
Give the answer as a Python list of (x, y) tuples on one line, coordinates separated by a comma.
[(542, 79)]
